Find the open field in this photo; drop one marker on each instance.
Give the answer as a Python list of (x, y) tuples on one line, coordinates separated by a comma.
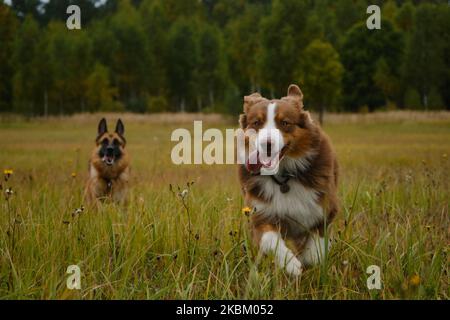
[(394, 191)]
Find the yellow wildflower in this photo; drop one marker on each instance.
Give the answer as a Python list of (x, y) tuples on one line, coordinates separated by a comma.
[(246, 211), (8, 172), (74, 174), (415, 280)]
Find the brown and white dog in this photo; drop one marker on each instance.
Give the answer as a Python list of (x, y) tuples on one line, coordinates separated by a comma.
[(108, 165), (297, 201)]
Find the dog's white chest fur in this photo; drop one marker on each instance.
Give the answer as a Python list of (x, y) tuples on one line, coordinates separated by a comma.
[(299, 203), (93, 173)]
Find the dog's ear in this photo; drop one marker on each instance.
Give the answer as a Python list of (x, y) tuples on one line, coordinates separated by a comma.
[(295, 92), (102, 127), (120, 128), (251, 100), (243, 120), (305, 119), (295, 95)]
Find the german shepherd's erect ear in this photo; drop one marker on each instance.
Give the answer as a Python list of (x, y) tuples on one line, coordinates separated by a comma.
[(102, 129), (120, 129)]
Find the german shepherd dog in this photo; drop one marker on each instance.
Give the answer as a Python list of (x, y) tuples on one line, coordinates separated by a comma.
[(108, 166), (296, 202)]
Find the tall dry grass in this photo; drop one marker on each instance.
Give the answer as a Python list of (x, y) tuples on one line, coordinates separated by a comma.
[(394, 192)]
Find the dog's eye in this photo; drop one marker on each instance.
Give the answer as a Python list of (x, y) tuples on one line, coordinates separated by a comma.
[(284, 123), (105, 141), (116, 142), (256, 123)]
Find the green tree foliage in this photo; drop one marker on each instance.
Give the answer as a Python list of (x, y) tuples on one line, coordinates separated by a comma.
[(405, 17), (389, 11), (8, 29), (361, 51), (26, 7), (70, 59), (132, 63), (324, 21), (348, 13), (435, 100), (155, 24), (224, 11), (212, 69), (26, 84), (183, 57), (56, 10), (99, 92), (443, 87), (320, 75), (176, 9), (157, 104), (387, 81), (190, 55), (427, 57), (244, 48), (283, 38), (412, 99)]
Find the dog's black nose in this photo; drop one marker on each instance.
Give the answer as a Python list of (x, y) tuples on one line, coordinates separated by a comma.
[(110, 151)]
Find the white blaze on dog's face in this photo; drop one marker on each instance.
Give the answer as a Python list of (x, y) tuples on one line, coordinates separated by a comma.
[(269, 142), (282, 128)]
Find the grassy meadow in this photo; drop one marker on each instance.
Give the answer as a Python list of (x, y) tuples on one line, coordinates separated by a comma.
[(394, 192)]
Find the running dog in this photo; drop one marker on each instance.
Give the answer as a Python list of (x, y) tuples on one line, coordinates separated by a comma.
[(289, 180)]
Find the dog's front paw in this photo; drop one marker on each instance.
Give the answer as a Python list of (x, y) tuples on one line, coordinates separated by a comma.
[(294, 267)]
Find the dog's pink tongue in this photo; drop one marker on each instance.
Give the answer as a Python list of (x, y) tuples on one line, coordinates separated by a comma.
[(253, 164), (107, 159)]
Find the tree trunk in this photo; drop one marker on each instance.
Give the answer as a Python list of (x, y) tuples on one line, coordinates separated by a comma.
[(61, 106), (182, 105), (211, 98), (321, 114), (199, 103), (45, 103)]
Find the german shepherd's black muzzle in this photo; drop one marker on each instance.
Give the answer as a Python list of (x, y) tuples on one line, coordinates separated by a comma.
[(109, 152)]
